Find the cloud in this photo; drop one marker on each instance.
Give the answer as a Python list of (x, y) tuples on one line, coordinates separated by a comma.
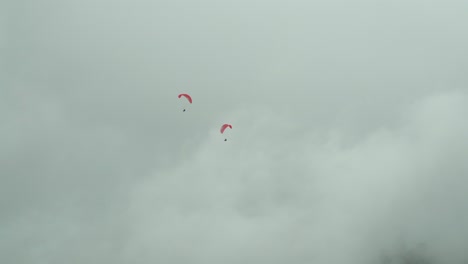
[(348, 130), (266, 197)]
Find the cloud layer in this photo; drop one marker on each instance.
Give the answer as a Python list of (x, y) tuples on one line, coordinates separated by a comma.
[(349, 135)]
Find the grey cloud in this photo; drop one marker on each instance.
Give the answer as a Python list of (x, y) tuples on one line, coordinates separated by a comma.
[(348, 130)]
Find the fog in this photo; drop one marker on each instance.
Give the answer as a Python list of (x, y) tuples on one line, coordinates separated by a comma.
[(349, 137)]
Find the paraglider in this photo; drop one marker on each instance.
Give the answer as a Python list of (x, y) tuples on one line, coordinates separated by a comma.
[(188, 97), (187, 100), (223, 127)]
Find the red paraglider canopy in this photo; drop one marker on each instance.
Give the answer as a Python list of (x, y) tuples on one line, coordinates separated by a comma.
[(223, 127), (189, 98)]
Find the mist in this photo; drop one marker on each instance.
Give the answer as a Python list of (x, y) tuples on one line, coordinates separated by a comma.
[(348, 144)]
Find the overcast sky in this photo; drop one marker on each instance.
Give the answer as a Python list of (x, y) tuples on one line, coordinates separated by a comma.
[(350, 132)]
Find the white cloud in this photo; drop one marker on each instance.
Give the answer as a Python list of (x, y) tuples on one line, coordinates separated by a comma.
[(265, 197)]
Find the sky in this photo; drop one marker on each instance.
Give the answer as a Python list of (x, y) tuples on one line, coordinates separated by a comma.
[(349, 131)]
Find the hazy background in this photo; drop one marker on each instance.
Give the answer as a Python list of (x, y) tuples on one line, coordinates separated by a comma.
[(349, 138)]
